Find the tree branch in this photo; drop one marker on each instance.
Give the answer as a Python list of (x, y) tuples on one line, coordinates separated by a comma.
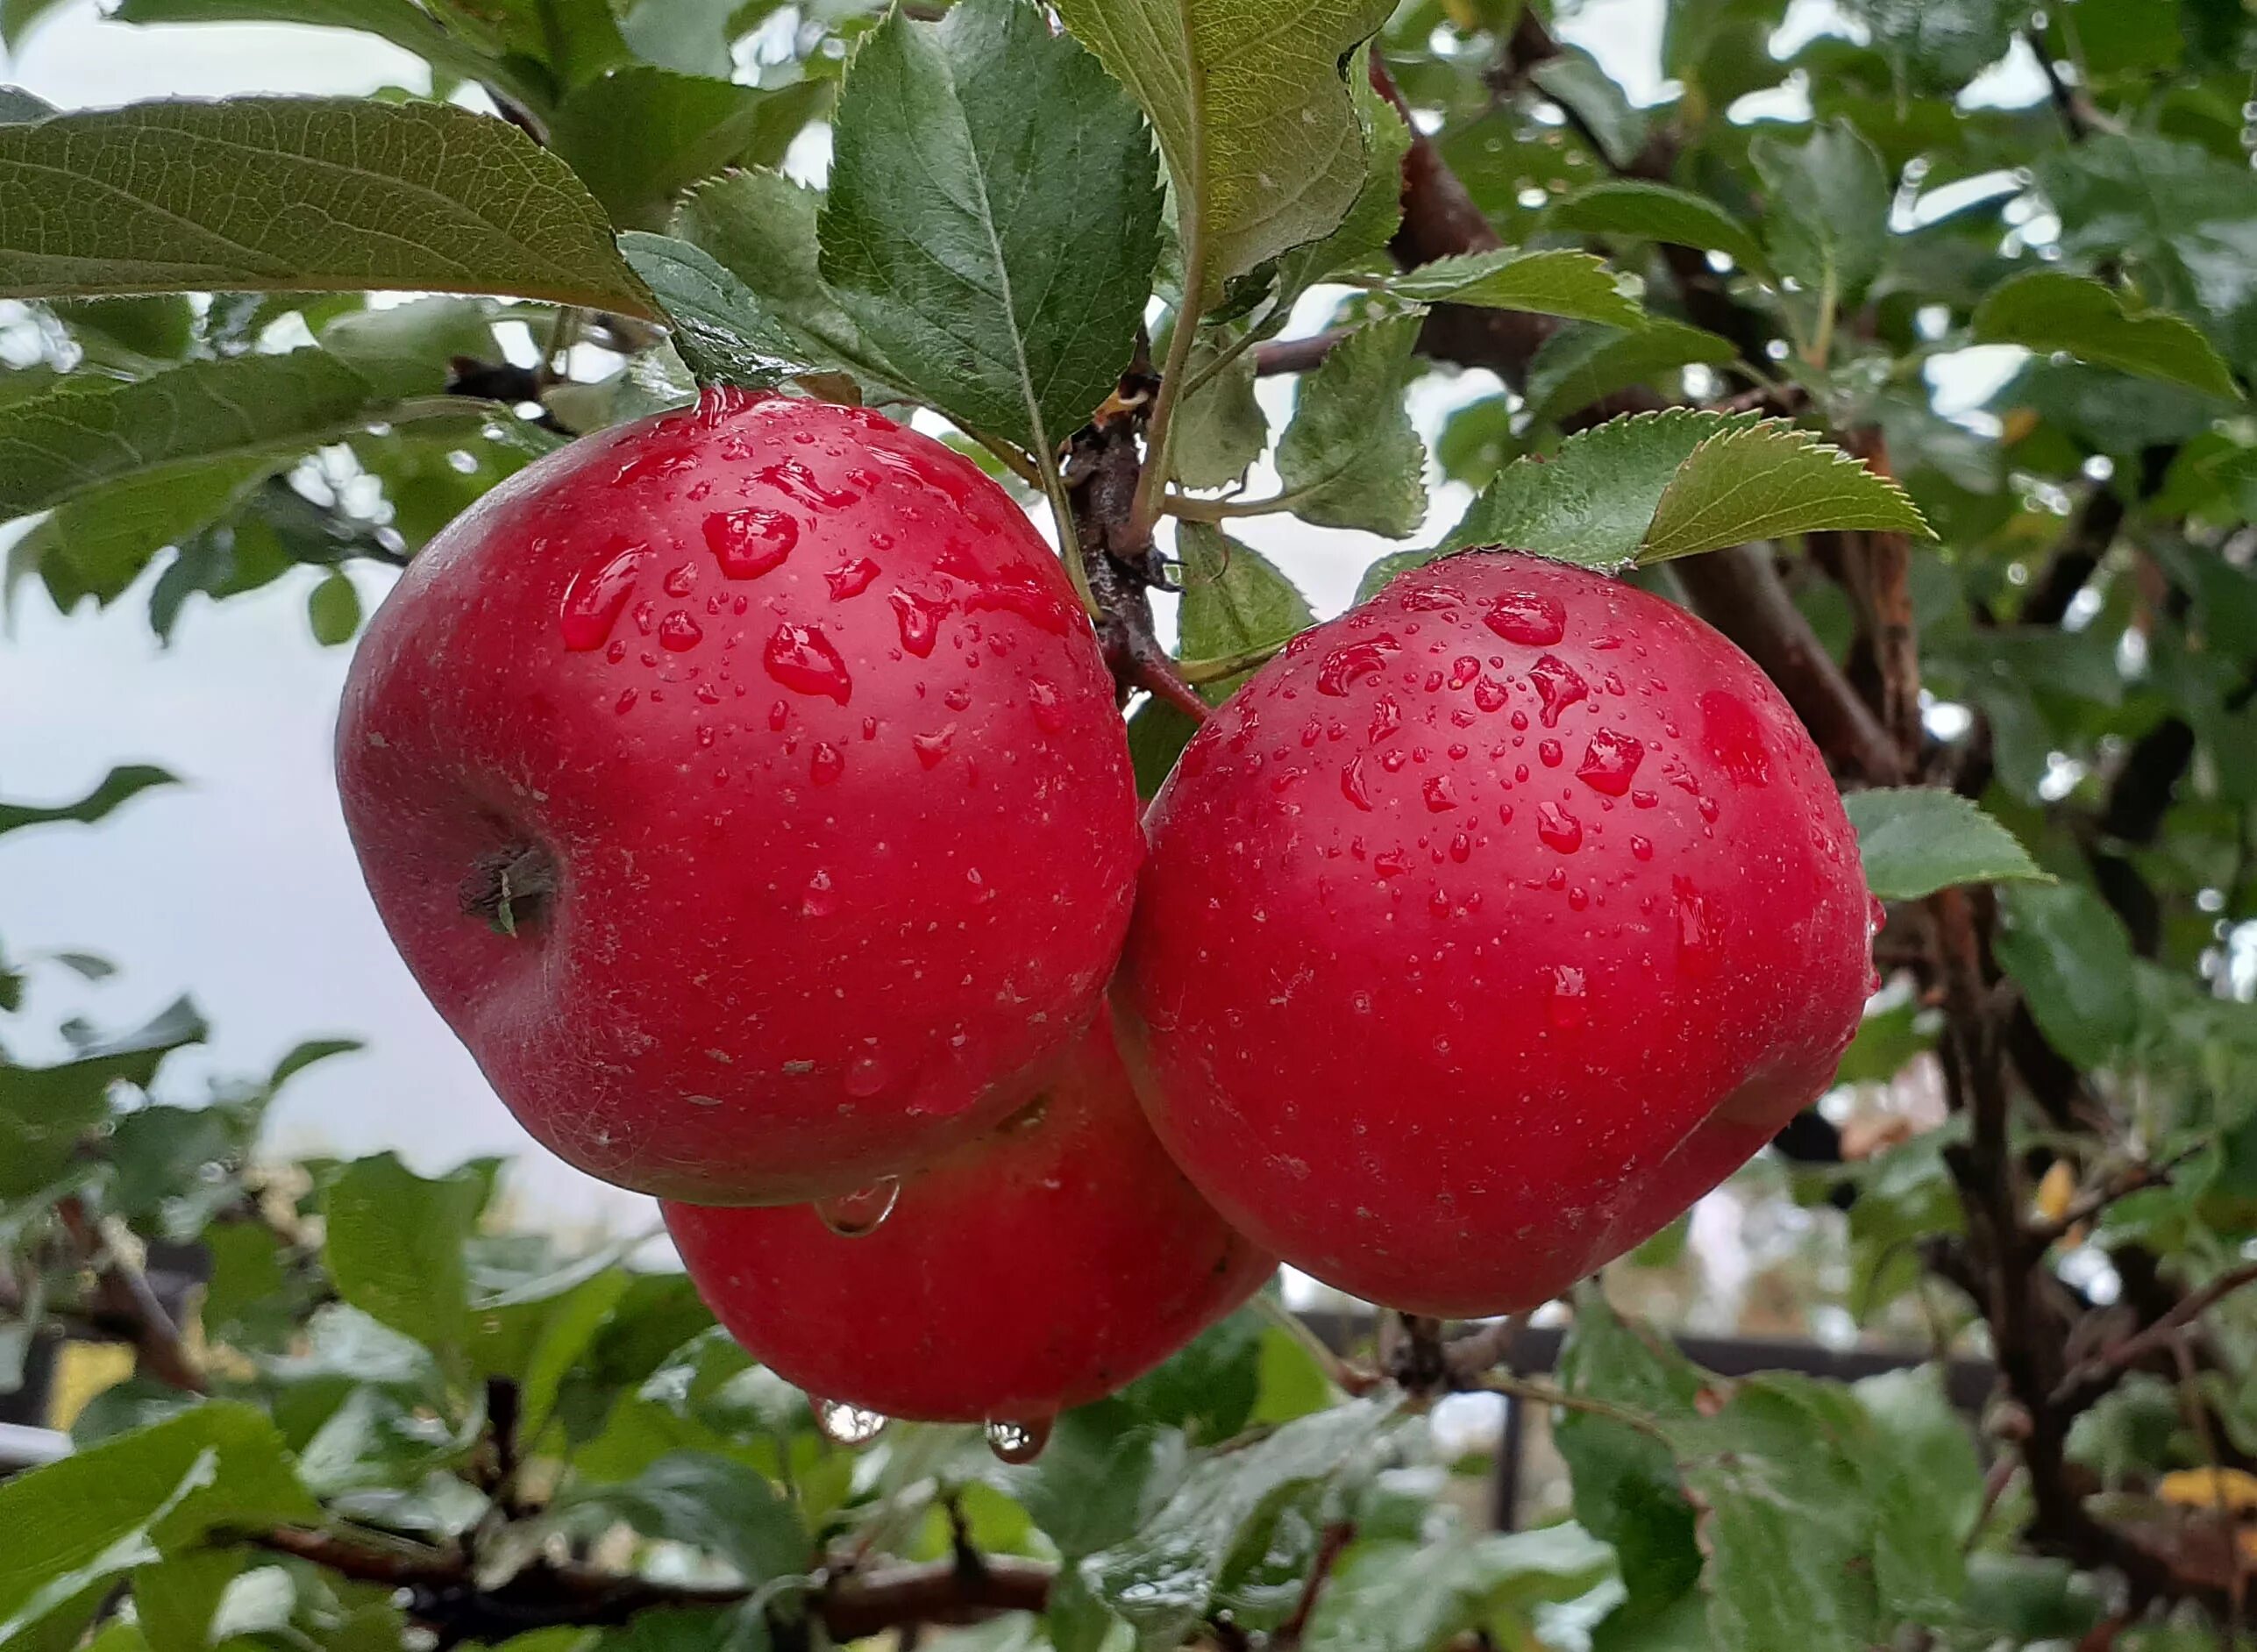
[(124, 1295)]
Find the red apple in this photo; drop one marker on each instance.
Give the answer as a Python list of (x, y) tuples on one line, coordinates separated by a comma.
[(1039, 1267), (1484, 931), (746, 788)]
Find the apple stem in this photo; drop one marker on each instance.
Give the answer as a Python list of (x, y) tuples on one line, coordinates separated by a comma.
[(511, 886)]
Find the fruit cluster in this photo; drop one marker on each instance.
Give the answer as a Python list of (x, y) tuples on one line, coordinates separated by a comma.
[(746, 789)]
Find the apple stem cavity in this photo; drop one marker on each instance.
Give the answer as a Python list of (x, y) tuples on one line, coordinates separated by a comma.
[(511, 886)]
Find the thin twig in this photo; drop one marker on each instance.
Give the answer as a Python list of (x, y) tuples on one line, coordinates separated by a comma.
[(125, 1293), (2097, 1376)]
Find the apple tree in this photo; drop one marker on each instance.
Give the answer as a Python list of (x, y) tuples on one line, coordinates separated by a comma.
[(1903, 345)]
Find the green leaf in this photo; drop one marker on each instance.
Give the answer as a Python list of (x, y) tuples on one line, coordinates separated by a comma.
[(104, 1512), (694, 36), (88, 432), (407, 349), (1827, 223), (46, 1112), (305, 1055), (1220, 428), (1658, 212), (1411, 1596), (1164, 1578), (1006, 288), (17, 105), (760, 227), (1573, 78), (576, 40), (1580, 365), (1886, 1040), (2071, 958), (98, 542), (1915, 840), (345, 195), (157, 327), (638, 136), (1372, 220), (1234, 600), (1350, 458), (1939, 45), (394, 1245), (1253, 114), (1766, 481), (1592, 501), (1576, 285), (719, 329), (1926, 1487), (2186, 214), (715, 1505), (119, 785), (2050, 310), (333, 610), (174, 1599), (401, 22)]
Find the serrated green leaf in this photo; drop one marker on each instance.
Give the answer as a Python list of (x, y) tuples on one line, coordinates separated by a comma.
[(87, 433), (639, 135), (1575, 285), (1766, 481), (1411, 1596), (1253, 114), (1234, 600), (2069, 955), (1583, 363), (1350, 458), (1926, 1487), (719, 329), (760, 227), (405, 350), (348, 194), (119, 785), (394, 1245), (1658, 212), (104, 1512), (1164, 1578), (1371, 219), (1915, 840), (1828, 218), (1592, 501), (1220, 428), (333, 610), (101, 540), (1005, 288), (2051, 309)]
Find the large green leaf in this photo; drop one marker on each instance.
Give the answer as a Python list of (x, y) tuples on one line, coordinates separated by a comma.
[(100, 1513), (1659, 212), (1656, 486), (2050, 310), (1827, 223), (87, 433), (638, 136), (2188, 217), (409, 349), (1220, 427), (760, 227), (394, 1245), (1915, 840), (1005, 287), (47, 1112), (401, 22), (2073, 962), (1575, 285), (719, 331), (1252, 112), (1580, 365), (1939, 45), (298, 194), (1350, 458), (1409, 1597), (713, 1504), (1235, 599), (1361, 235)]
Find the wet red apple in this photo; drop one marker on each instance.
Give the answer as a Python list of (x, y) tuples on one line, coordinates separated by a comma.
[(1484, 931), (744, 787), (1039, 1267)]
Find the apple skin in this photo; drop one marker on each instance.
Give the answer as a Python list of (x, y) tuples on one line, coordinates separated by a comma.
[(1042, 1266), (1484, 931), (818, 743)]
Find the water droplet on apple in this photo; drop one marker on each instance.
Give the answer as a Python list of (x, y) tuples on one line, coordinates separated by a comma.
[(1643, 848), (1610, 761), (1352, 663), (751, 541), (861, 1212), (1527, 617), (598, 595), (680, 580), (1018, 1443), (852, 579), (801, 659), (1558, 686), (1699, 946), (1441, 797), (846, 1425), (1558, 828), (678, 632), (794, 480), (1050, 711), (865, 1077), (1550, 753), (919, 618), (825, 765), (931, 748), (1566, 1003)]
